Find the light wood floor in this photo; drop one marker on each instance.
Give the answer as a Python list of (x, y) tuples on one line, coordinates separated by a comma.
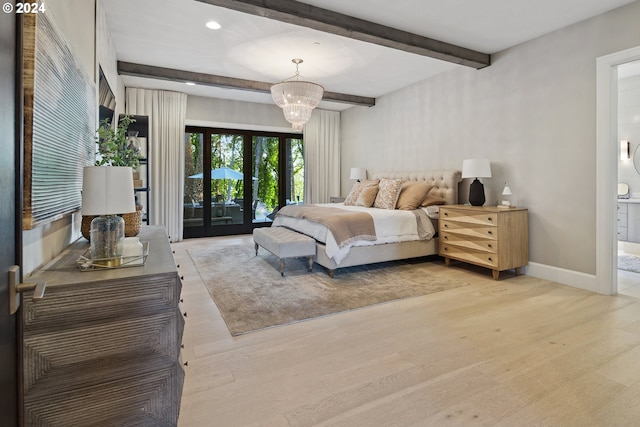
[(515, 352)]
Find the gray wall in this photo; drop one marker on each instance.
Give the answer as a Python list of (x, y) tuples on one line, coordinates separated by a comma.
[(532, 113)]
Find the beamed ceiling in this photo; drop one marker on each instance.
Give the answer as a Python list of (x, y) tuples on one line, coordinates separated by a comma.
[(358, 49)]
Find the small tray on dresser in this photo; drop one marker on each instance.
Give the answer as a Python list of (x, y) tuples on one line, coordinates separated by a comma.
[(85, 263)]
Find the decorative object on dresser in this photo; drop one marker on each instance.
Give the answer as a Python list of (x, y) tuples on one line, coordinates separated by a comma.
[(106, 193), (103, 347), (485, 236), (358, 174), (476, 168), (506, 197)]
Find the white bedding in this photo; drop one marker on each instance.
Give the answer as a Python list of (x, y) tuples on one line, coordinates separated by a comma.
[(391, 226)]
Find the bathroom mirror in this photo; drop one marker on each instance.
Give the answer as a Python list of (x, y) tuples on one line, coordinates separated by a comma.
[(636, 158)]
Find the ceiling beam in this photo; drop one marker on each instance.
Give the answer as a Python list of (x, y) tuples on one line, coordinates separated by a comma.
[(306, 15), (149, 71)]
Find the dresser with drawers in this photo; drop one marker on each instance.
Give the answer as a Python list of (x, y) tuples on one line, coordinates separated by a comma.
[(486, 236), (102, 348)]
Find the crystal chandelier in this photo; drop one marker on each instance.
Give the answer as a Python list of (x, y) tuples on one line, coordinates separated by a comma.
[(297, 98)]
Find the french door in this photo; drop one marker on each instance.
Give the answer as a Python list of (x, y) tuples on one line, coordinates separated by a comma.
[(236, 180)]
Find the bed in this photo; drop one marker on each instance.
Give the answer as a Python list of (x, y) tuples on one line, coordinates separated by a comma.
[(384, 245)]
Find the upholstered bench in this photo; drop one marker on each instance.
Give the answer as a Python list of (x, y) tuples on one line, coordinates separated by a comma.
[(284, 243)]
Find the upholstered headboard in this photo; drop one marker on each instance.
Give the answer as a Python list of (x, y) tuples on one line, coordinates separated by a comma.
[(445, 182)]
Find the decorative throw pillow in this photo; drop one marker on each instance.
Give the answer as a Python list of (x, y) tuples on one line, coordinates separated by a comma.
[(352, 198), (412, 194), (432, 199), (388, 192), (367, 196)]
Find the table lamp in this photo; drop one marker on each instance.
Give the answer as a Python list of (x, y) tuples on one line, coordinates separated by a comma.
[(476, 168), (358, 174), (106, 192)]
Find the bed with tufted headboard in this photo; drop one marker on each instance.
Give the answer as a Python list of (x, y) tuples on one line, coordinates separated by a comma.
[(399, 233)]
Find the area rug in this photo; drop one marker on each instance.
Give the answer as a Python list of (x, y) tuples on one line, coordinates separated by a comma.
[(629, 263), (251, 294)]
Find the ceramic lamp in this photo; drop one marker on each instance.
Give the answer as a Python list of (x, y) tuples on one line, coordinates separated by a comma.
[(107, 191), (476, 168)]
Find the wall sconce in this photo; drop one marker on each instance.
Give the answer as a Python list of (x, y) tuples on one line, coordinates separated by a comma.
[(358, 174), (625, 150)]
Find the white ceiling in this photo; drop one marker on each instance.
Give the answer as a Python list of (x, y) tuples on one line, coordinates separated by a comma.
[(171, 34)]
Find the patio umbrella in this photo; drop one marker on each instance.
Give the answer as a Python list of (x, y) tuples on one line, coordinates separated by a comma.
[(221, 173)]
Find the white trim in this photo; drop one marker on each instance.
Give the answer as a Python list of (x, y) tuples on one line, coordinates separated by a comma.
[(576, 279), (607, 167)]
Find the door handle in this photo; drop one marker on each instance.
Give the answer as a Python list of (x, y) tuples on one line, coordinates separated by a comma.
[(15, 287)]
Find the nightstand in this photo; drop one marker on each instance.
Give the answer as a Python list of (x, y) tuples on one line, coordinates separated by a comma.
[(486, 236)]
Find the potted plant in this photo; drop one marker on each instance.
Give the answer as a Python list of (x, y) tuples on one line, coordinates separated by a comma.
[(115, 149)]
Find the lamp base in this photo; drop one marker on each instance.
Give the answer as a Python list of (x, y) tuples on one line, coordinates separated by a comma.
[(476, 193), (107, 238)]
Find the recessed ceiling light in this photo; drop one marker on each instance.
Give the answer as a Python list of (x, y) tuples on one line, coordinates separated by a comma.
[(213, 25), (190, 83)]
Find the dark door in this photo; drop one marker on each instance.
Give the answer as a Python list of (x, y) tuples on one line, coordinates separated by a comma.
[(10, 119)]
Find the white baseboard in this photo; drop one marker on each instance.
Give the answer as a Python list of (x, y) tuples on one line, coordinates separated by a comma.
[(576, 279)]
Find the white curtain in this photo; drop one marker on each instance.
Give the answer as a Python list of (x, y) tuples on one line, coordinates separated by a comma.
[(166, 111), (322, 156)]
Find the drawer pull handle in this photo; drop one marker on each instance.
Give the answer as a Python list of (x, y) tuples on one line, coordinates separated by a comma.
[(489, 259), (489, 246), (446, 214), (446, 225), (489, 232), (489, 219)]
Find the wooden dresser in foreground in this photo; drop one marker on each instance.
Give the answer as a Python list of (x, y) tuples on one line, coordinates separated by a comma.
[(485, 235), (103, 347)]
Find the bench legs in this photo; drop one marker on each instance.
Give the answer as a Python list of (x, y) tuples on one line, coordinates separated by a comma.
[(310, 261)]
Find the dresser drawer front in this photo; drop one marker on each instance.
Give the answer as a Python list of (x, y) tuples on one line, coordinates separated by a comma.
[(622, 219), (485, 245), (485, 259), (622, 208), (469, 218), (462, 229)]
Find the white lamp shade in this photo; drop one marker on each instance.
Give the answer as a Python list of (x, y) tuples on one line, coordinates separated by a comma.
[(507, 190), (107, 190), (358, 173), (476, 168)]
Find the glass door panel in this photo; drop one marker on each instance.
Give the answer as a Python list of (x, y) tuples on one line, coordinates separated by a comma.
[(227, 179), (265, 181), (294, 160), (193, 205)]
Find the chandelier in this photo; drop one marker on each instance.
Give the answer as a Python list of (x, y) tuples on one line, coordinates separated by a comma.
[(297, 98)]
